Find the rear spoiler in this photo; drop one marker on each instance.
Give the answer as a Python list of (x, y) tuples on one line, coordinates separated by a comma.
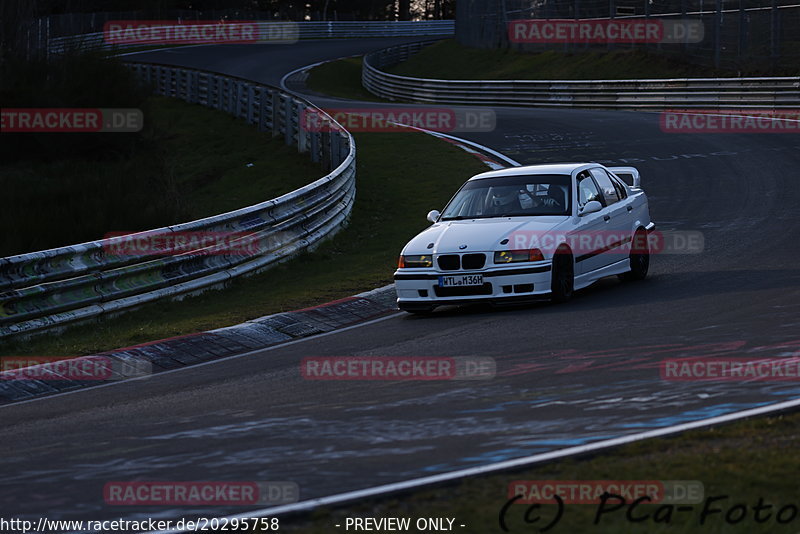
[(629, 175)]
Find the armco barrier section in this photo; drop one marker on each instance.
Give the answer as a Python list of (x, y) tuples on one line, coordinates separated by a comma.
[(683, 93), (61, 285), (278, 31)]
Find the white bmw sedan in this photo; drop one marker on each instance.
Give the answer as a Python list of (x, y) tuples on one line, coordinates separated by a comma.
[(526, 233)]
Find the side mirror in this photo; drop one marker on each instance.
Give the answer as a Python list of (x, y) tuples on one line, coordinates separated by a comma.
[(433, 215), (592, 206)]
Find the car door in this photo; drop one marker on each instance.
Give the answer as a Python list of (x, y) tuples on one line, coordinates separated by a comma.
[(617, 217), (591, 227)]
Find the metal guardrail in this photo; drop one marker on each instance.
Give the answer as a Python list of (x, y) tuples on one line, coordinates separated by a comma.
[(698, 93), (287, 30), (57, 286)]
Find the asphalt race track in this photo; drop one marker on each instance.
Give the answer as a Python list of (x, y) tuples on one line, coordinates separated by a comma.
[(567, 374)]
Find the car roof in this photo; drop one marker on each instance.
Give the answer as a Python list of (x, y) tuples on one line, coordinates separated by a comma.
[(549, 168)]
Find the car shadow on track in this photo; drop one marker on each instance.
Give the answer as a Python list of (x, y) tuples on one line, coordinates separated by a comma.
[(612, 293)]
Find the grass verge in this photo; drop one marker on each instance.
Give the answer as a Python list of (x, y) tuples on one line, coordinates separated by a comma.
[(341, 79), (182, 169), (745, 461), (449, 60), (400, 177)]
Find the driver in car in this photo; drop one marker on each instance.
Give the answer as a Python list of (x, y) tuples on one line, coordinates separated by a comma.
[(553, 198)]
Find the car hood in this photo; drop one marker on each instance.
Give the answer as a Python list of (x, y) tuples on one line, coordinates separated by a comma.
[(479, 235)]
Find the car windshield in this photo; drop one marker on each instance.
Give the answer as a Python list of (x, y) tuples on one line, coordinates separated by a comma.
[(509, 196)]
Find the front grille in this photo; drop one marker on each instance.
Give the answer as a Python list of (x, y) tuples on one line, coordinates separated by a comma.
[(464, 291), (473, 261), (449, 262)]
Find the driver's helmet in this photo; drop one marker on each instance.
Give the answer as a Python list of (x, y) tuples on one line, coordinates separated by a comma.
[(504, 198)]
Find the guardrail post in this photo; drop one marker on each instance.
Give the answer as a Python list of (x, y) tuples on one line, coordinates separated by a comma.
[(325, 145), (236, 99), (186, 85), (336, 142), (202, 81), (263, 109), (346, 140), (301, 127), (218, 93), (233, 98), (289, 121), (251, 108), (170, 82), (276, 113), (191, 87), (156, 79), (315, 142)]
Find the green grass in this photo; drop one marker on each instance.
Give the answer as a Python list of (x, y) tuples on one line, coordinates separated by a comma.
[(450, 60), (182, 170), (340, 78), (400, 177), (745, 460)]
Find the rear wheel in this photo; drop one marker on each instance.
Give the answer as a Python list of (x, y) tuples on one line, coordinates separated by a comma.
[(562, 284), (639, 258)]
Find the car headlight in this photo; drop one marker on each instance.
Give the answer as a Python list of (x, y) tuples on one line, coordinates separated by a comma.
[(514, 256), (415, 261)]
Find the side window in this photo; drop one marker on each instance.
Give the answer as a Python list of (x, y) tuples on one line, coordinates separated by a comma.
[(621, 192), (587, 190), (608, 189)]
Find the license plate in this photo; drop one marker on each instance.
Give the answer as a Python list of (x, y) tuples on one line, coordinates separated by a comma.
[(461, 280)]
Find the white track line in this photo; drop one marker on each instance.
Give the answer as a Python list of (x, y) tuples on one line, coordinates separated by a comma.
[(473, 144), (177, 47), (203, 364), (311, 66), (418, 483)]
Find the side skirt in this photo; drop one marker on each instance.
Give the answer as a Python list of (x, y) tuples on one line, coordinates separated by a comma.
[(587, 279)]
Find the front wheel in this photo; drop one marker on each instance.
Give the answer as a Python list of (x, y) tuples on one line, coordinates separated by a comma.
[(562, 282), (639, 258)]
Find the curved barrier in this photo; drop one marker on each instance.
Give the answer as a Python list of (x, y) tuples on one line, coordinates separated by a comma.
[(287, 31), (701, 93), (61, 285)]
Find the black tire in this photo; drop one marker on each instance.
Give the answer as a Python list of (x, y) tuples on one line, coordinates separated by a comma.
[(562, 281), (639, 258)]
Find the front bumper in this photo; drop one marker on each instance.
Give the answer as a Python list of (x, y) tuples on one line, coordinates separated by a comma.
[(418, 289)]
